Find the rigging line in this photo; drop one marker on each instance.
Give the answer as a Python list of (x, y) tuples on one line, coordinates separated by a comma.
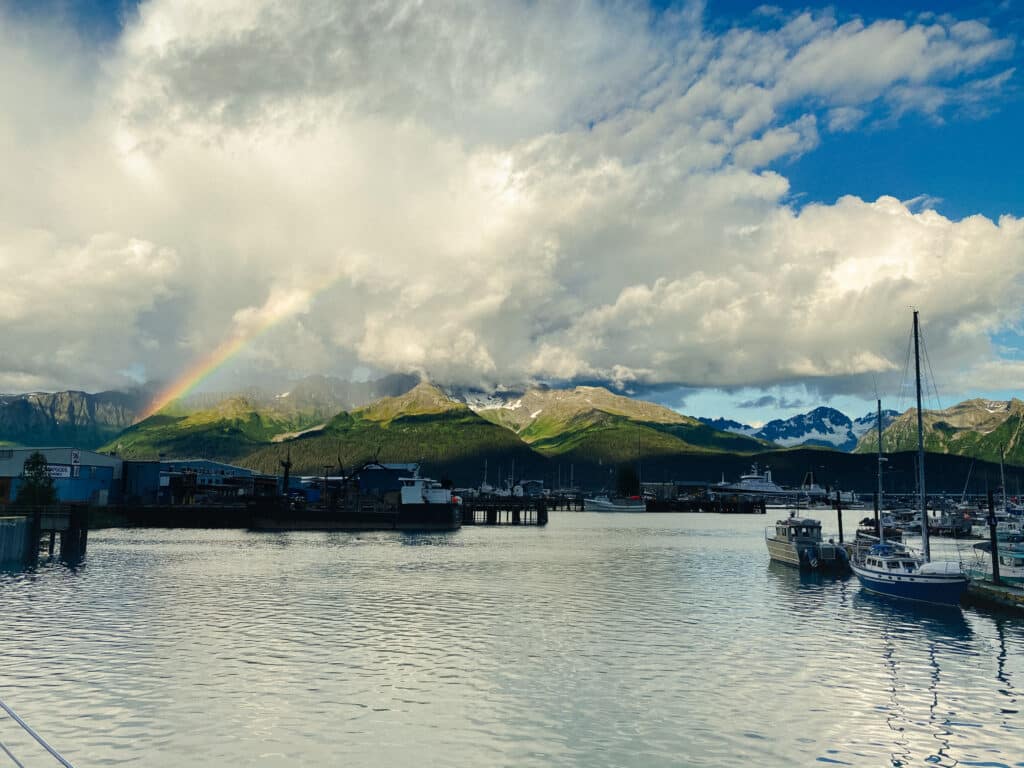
[(931, 373), (34, 735), (904, 380), (8, 752)]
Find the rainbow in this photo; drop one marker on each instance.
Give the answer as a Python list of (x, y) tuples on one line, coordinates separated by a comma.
[(254, 322)]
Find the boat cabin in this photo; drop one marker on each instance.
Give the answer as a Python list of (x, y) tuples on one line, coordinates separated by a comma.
[(795, 529), (895, 564), (423, 490)]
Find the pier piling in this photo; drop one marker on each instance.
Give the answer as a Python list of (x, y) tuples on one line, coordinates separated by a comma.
[(992, 537)]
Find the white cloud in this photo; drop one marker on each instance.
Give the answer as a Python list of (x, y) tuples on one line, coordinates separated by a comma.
[(482, 192)]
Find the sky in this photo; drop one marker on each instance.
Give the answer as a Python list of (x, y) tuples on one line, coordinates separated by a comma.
[(728, 209)]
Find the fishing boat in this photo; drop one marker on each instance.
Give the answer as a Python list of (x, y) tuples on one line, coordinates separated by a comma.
[(605, 503), (891, 569), (797, 541)]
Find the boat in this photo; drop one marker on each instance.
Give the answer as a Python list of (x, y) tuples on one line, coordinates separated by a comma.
[(797, 541), (891, 569), (1011, 562), (755, 482), (606, 503)]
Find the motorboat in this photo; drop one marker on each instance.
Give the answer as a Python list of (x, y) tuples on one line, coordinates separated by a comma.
[(797, 541)]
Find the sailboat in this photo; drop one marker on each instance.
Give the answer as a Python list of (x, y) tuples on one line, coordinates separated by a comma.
[(892, 569)]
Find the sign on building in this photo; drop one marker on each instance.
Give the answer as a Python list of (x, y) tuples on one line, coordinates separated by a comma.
[(58, 470)]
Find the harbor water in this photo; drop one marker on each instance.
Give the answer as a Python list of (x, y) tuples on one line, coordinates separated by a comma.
[(600, 640)]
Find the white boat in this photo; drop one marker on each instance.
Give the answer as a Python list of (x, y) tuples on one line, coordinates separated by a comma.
[(891, 569), (605, 503), (755, 482)]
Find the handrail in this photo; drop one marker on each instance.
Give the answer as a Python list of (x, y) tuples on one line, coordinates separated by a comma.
[(34, 735)]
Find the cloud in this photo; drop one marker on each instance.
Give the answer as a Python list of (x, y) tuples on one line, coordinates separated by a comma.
[(485, 193), (772, 401)]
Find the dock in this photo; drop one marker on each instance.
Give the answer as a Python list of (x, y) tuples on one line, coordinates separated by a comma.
[(982, 592), (24, 531), (505, 511)]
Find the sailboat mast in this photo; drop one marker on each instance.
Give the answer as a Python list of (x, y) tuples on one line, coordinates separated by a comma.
[(1002, 476), (925, 547), (881, 525)]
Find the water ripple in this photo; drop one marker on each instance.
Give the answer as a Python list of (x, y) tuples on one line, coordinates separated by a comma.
[(641, 640)]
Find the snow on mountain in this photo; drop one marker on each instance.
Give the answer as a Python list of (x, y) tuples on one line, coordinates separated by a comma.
[(728, 425), (868, 422), (823, 426)]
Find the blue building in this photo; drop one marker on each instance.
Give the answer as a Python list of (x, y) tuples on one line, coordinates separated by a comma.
[(79, 476), (187, 481)]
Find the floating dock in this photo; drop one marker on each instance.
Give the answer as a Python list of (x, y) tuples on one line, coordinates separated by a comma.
[(985, 593)]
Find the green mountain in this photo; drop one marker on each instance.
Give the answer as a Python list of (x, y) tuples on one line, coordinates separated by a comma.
[(229, 431), (591, 423), (423, 424), (975, 428), (586, 426)]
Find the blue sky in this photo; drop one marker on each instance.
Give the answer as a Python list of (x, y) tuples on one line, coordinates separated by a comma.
[(225, 151)]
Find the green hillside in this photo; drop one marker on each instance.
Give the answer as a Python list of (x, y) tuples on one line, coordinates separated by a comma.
[(974, 428), (422, 424), (594, 424), (231, 430)]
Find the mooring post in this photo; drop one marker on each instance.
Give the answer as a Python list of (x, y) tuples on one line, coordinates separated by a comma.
[(542, 513), (992, 537), (53, 539), (839, 516), (35, 530)]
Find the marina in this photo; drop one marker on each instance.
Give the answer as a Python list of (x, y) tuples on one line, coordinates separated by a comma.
[(596, 635)]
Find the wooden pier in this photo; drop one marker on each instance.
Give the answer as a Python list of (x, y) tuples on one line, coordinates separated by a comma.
[(505, 511)]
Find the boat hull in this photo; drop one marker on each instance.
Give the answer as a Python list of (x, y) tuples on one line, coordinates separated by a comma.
[(808, 557), (601, 505), (925, 588)]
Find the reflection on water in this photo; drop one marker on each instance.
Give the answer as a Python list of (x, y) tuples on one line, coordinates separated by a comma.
[(627, 640)]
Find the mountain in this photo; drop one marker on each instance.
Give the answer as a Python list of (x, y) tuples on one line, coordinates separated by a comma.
[(976, 428), (592, 423), (728, 425), (825, 427), (67, 418), (869, 422), (422, 424), (312, 400), (228, 431)]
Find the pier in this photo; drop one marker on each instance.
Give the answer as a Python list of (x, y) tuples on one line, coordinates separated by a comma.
[(23, 531), (505, 511), (985, 593)]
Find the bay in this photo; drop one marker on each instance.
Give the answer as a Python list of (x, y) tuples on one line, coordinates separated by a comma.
[(600, 640)]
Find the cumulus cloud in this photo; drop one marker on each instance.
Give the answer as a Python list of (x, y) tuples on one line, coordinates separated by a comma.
[(484, 193)]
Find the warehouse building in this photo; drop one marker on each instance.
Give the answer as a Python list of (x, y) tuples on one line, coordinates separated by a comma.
[(187, 481), (79, 476)]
